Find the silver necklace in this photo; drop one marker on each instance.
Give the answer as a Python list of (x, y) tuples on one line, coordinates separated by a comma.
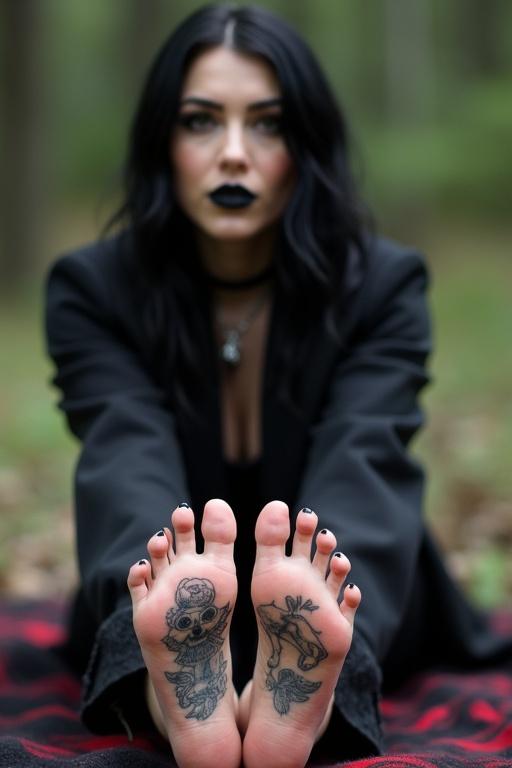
[(230, 349)]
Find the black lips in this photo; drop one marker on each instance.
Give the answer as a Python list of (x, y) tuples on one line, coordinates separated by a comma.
[(232, 196)]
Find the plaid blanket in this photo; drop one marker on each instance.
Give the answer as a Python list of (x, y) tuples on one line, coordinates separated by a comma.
[(437, 719)]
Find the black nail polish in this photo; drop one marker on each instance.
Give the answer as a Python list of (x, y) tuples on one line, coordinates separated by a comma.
[(160, 533), (184, 504), (324, 530), (142, 562), (337, 554), (351, 586), (307, 510)]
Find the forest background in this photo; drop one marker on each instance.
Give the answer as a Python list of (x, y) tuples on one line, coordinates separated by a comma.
[(427, 86)]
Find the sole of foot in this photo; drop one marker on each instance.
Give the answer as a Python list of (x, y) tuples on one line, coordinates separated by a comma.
[(304, 636), (182, 606)]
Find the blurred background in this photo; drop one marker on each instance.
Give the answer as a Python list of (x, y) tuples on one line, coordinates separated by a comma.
[(427, 86)]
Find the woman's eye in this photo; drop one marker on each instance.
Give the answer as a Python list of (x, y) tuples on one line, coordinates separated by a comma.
[(197, 122), (270, 125)]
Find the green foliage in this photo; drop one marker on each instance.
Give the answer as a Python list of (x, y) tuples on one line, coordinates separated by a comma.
[(487, 581), (36, 457), (468, 442), (460, 164)]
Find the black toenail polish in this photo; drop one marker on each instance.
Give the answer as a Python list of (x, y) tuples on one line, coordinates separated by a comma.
[(351, 586), (307, 510), (324, 530), (142, 562), (160, 533), (337, 554), (184, 504)]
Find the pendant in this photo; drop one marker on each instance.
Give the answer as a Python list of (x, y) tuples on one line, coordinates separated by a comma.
[(230, 350)]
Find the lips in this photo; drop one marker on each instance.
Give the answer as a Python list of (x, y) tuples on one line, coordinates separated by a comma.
[(232, 196)]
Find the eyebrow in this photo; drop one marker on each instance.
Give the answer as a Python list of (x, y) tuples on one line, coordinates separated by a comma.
[(255, 105)]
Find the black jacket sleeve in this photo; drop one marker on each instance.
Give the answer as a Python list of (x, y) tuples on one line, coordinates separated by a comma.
[(360, 478), (130, 472)]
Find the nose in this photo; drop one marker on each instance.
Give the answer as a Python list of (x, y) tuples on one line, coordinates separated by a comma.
[(233, 155)]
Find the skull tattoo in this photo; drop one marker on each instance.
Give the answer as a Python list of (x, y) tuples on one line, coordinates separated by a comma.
[(196, 634)]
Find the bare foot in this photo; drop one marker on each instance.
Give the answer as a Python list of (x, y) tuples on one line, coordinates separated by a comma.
[(182, 606), (304, 636)]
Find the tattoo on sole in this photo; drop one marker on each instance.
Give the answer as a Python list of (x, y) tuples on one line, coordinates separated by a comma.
[(290, 625), (196, 634)]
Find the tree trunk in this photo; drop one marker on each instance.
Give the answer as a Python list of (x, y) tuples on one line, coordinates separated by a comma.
[(23, 200), (480, 27), (409, 60), (143, 31)]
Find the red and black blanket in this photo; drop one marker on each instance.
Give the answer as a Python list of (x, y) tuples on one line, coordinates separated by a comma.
[(446, 719)]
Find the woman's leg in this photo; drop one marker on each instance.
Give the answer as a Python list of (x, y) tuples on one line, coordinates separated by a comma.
[(304, 637), (182, 605)]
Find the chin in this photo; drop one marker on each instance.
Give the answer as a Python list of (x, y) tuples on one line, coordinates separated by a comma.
[(240, 230)]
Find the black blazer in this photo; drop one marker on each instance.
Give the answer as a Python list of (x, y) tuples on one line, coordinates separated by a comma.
[(343, 452)]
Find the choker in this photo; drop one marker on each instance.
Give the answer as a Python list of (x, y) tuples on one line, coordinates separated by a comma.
[(246, 282)]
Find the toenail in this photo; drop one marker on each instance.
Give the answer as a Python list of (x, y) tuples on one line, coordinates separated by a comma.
[(142, 562), (160, 533), (351, 586), (324, 530), (307, 510), (184, 504), (338, 554)]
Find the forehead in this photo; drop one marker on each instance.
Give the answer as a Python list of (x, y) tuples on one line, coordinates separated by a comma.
[(224, 75)]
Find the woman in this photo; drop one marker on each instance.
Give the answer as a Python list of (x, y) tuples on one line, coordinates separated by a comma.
[(244, 338)]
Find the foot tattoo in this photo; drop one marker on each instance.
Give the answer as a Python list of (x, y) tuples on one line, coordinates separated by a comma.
[(290, 625), (196, 628)]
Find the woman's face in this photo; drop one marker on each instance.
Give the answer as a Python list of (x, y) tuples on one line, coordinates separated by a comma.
[(229, 133)]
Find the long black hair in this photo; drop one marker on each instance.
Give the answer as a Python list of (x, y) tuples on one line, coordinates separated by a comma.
[(324, 220)]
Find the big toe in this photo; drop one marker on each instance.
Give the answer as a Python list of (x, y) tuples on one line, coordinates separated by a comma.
[(218, 528), (272, 529)]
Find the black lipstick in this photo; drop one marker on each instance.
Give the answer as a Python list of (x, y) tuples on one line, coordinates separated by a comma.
[(232, 196)]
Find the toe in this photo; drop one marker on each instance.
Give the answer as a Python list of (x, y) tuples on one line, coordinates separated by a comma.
[(338, 571), (138, 579), (350, 603), (305, 527), (325, 544), (272, 529), (219, 529), (158, 549), (184, 535)]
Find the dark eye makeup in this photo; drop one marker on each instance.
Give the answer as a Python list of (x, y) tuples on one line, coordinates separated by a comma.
[(197, 122), (201, 121), (271, 125)]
